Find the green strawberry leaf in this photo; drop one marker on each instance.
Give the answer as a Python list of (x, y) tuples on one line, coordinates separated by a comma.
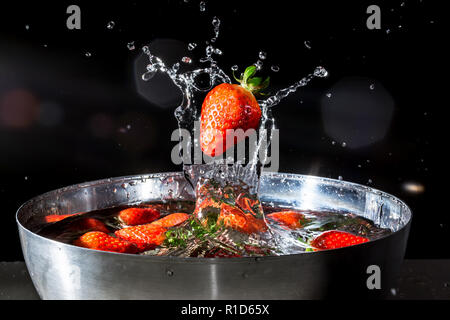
[(248, 73)]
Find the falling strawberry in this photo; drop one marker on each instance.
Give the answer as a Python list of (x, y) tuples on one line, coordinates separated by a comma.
[(151, 235), (289, 219), (230, 106), (101, 241), (336, 239), (136, 216)]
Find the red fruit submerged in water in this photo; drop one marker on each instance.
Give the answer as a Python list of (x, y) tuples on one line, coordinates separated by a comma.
[(89, 224), (336, 239), (57, 217), (230, 106), (289, 219), (136, 216), (101, 241), (148, 236), (235, 218)]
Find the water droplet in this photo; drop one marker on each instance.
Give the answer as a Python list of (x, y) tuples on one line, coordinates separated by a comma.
[(275, 68), (26, 178), (320, 72), (344, 144), (191, 46), (388, 31), (340, 178), (234, 68), (402, 4), (333, 142), (369, 181), (216, 22), (110, 25), (27, 27), (88, 54), (218, 51), (258, 65), (328, 95), (186, 60), (393, 291), (169, 273), (146, 50), (262, 55), (202, 6), (130, 45), (209, 51), (372, 86), (307, 44)]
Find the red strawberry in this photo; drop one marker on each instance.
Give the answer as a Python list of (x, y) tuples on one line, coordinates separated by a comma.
[(235, 218), (171, 220), (230, 106), (136, 216), (57, 217), (101, 241), (91, 224), (289, 219), (145, 237), (148, 236), (336, 239)]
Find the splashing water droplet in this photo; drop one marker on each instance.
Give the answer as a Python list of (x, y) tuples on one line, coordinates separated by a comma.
[(186, 60), (202, 6), (333, 142), (88, 54), (340, 178), (191, 46), (146, 50), (258, 65), (275, 68), (328, 95), (307, 44), (344, 144), (216, 22), (27, 27), (388, 31), (218, 51), (234, 68), (130, 45), (110, 25), (321, 72), (372, 86), (262, 55)]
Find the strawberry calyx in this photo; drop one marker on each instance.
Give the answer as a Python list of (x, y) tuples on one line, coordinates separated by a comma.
[(253, 84)]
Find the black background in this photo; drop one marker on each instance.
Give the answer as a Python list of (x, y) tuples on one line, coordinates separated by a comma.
[(49, 62)]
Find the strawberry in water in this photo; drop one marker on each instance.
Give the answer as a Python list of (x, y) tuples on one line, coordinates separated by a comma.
[(235, 218), (136, 216), (289, 219), (89, 224), (101, 241), (334, 239), (151, 235), (57, 217), (230, 107), (171, 220)]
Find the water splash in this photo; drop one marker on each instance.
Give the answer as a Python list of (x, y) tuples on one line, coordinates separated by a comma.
[(194, 84)]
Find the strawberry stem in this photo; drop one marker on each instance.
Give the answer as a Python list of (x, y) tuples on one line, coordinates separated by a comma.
[(253, 84)]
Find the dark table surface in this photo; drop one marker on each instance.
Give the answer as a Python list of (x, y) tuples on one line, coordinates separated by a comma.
[(419, 279)]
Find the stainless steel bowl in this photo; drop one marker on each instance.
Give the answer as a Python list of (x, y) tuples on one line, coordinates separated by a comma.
[(62, 271)]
